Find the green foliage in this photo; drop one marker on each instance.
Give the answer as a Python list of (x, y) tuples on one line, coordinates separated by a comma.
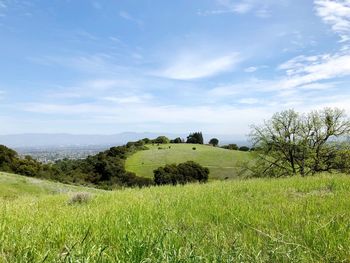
[(105, 170), (8, 158), (244, 149), (230, 147), (177, 140), (195, 138), (181, 174), (161, 140), (214, 142), (259, 220), (291, 143)]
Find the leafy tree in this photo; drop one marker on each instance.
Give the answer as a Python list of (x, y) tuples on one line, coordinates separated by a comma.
[(291, 143), (176, 140), (214, 142), (244, 149), (161, 140), (196, 138), (8, 158), (181, 173)]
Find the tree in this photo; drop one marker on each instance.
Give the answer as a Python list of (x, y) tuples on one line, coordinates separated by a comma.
[(181, 173), (161, 140), (291, 143), (176, 140), (196, 138), (244, 149), (214, 142)]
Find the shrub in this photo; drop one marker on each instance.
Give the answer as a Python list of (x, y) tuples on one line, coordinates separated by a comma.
[(194, 148), (230, 147), (79, 198)]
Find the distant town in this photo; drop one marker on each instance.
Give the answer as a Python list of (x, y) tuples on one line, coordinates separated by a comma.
[(55, 153)]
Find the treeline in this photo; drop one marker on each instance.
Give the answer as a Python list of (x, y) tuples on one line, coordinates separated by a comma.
[(105, 169)]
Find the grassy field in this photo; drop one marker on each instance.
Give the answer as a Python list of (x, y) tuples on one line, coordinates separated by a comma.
[(222, 163), (258, 220), (13, 186)]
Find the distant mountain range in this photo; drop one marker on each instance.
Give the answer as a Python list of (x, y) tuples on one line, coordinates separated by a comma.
[(64, 140)]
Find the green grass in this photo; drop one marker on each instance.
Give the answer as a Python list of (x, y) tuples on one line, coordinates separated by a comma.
[(13, 186), (222, 163), (257, 220)]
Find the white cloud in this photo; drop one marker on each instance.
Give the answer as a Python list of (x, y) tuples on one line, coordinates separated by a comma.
[(306, 70), (249, 101), (192, 65), (251, 69), (337, 14), (261, 8), (128, 99)]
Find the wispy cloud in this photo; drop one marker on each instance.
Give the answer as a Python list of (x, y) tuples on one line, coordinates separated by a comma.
[(194, 65), (304, 70), (261, 8), (337, 14), (125, 15)]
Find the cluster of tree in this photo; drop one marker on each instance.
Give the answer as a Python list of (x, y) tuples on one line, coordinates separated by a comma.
[(105, 170), (196, 138), (177, 140), (181, 174), (291, 143), (237, 148)]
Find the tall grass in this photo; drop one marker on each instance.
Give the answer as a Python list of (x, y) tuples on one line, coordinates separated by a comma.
[(260, 220)]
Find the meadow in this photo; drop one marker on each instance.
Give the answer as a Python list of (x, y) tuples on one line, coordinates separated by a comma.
[(222, 163), (257, 220)]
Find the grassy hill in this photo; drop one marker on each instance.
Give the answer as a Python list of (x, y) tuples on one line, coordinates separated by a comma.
[(222, 163), (12, 186), (258, 220)]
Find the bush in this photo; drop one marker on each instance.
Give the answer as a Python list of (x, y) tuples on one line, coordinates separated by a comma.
[(181, 174), (230, 147), (79, 198), (194, 148)]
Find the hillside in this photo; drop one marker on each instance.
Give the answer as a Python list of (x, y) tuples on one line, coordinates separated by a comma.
[(260, 220), (12, 186), (222, 163)]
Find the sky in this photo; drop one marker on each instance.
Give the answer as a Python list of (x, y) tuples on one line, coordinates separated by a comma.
[(217, 66)]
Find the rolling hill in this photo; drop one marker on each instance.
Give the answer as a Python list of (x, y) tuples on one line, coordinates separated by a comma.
[(13, 186), (222, 163)]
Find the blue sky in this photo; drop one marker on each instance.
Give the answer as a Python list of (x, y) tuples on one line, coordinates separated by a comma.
[(93, 66)]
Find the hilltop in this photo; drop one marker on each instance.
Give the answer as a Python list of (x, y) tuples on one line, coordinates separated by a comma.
[(222, 163)]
